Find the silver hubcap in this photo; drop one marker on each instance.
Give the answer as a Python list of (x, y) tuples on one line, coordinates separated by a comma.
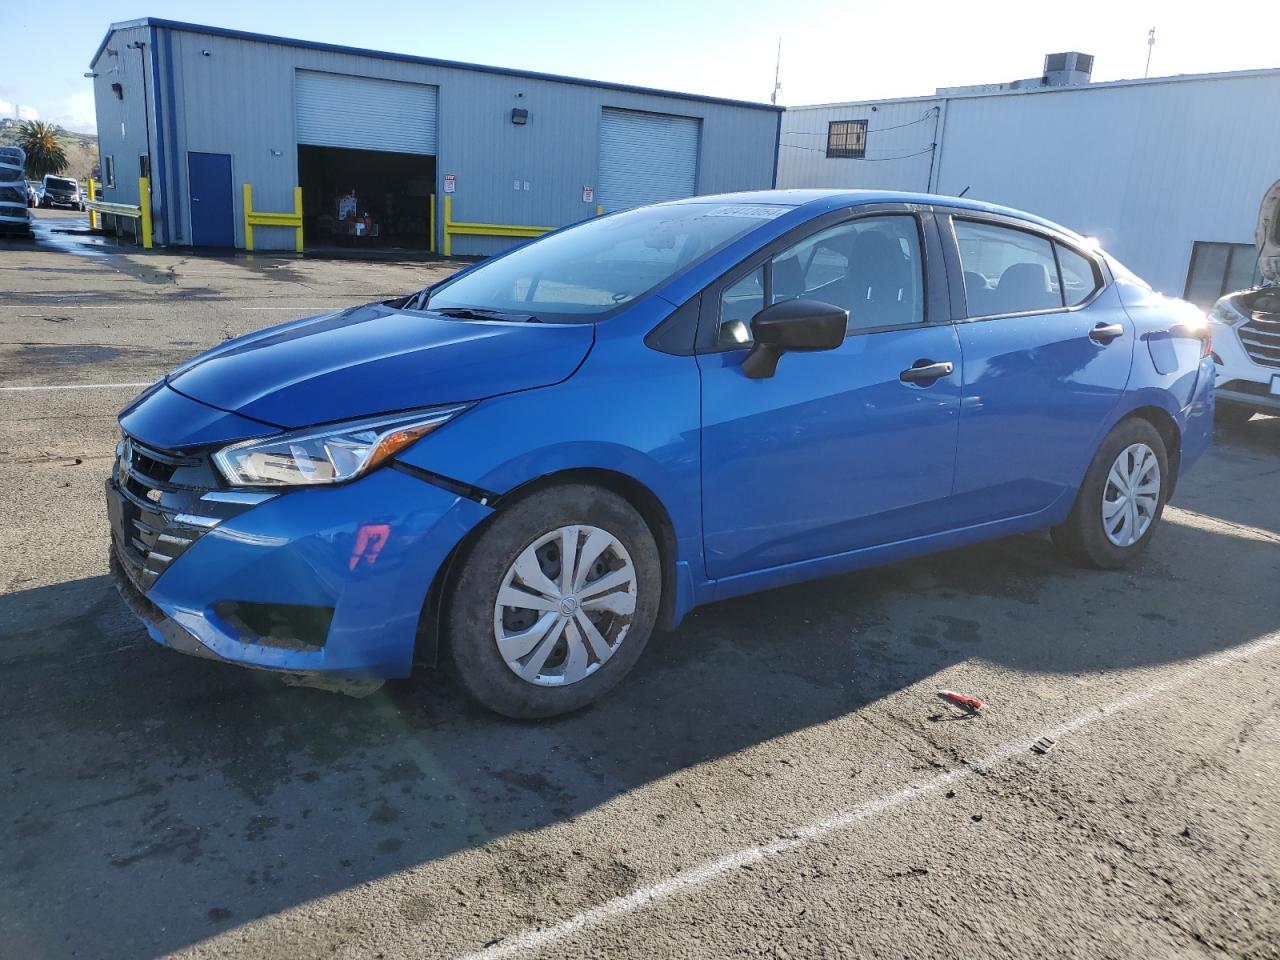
[(565, 605), (1131, 495)]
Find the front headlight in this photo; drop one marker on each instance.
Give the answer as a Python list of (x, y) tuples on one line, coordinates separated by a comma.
[(332, 454), (1224, 314)]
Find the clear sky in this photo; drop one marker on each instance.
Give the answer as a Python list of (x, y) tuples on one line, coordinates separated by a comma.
[(832, 50)]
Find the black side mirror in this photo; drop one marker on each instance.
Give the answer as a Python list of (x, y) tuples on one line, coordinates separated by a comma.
[(792, 325)]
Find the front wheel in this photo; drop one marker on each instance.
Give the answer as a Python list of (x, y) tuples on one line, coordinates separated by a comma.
[(1121, 499), (554, 603)]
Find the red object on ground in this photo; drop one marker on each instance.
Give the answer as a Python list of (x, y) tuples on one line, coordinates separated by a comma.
[(972, 704)]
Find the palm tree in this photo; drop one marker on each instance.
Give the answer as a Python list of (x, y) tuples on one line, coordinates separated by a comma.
[(44, 154)]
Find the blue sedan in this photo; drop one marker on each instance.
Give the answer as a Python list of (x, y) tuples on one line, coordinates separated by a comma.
[(522, 471)]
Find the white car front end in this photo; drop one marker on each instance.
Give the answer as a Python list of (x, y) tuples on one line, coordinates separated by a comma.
[(1246, 349)]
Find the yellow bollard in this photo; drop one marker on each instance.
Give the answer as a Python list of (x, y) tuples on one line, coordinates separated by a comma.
[(448, 222), (599, 210), (144, 203), (248, 209), (93, 214), (297, 212)]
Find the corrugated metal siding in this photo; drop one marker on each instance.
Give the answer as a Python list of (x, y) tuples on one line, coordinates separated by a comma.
[(646, 158), (1146, 168), (239, 100), (332, 110), (122, 123), (899, 139)]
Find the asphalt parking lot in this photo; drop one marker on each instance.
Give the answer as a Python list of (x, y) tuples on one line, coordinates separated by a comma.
[(777, 778)]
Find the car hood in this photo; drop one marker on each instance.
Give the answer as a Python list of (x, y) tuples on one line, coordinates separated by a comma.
[(374, 359)]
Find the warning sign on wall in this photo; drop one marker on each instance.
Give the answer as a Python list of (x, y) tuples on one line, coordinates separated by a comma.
[(449, 182), (588, 194)]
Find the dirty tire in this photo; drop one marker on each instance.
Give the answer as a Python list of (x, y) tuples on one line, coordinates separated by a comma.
[(1082, 537), (472, 653)]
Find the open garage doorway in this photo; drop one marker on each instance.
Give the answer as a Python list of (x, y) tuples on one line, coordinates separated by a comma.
[(365, 198)]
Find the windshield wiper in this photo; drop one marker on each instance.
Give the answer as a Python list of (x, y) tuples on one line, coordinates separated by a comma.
[(479, 313)]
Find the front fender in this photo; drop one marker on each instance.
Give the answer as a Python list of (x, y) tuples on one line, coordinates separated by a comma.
[(629, 410)]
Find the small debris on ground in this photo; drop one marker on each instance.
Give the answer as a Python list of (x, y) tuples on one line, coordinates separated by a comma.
[(1043, 745), (971, 704)]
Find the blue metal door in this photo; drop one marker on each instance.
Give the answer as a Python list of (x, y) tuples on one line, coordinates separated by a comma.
[(212, 217)]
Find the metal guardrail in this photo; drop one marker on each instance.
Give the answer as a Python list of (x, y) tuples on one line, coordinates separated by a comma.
[(140, 212), (454, 228), (261, 218)]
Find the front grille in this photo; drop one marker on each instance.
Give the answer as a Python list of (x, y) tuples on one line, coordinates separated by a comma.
[(153, 496), (1260, 338)]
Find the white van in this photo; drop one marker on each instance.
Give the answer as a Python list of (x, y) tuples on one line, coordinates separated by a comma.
[(14, 217)]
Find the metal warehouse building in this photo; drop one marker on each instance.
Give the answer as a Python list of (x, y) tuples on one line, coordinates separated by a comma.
[(392, 150), (1168, 173)]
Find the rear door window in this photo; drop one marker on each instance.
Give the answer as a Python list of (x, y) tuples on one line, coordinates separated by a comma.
[(1080, 278), (1006, 270)]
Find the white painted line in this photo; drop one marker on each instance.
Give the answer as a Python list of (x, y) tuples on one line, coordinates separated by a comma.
[(327, 306), (1218, 525), (532, 940), (77, 386)]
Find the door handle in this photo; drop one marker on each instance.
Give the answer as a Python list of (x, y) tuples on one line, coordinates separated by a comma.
[(926, 371), (1106, 332)]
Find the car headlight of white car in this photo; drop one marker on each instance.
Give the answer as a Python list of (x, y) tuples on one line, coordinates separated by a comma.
[(326, 455), (1224, 314)]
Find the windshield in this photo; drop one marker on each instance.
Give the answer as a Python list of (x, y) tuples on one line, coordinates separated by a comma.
[(595, 267), (58, 183)]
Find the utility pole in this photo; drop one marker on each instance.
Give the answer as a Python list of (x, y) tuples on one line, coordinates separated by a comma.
[(777, 68), (1151, 42)]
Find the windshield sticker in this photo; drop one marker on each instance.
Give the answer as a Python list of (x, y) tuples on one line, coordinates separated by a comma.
[(747, 210)]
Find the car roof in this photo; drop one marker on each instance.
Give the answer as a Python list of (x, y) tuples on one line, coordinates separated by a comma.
[(818, 201)]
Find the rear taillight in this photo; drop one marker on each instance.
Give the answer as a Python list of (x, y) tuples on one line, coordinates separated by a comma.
[(1206, 341)]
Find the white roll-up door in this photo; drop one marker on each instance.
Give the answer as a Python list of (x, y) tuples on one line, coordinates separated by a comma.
[(361, 113), (646, 158)]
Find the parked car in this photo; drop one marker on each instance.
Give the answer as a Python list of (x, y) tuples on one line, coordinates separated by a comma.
[(15, 218), (521, 471), (61, 192), (1246, 327)]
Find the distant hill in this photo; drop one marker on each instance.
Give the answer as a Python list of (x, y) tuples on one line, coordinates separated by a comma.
[(81, 149)]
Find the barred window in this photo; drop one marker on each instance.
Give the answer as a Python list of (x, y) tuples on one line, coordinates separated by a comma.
[(847, 138)]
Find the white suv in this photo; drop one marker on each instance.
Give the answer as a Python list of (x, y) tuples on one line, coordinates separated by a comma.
[(1246, 330), (1246, 348)]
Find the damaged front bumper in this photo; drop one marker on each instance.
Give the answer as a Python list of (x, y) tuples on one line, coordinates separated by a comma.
[(313, 581)]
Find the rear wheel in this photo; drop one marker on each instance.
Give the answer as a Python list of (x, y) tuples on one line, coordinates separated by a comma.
[(1121, 500), (554, 603)]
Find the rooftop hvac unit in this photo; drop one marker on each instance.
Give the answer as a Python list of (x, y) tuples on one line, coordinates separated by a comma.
[(1067, 69)]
